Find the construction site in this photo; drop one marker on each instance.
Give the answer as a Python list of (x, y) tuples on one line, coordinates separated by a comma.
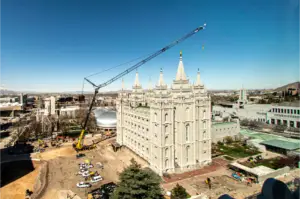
[(56, 169), (70, 151)]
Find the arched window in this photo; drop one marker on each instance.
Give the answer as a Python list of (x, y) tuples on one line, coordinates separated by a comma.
[(187, 113), (155, 117), (187, 131), (166, 117), (166, 163), (166, 139), (166, 129), (204, 114), (187, 153), (166, 152)]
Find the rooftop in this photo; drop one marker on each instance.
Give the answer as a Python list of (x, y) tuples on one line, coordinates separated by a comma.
[(281, 144), (258, 171), (290, 104), (223, 123), (265, 136)]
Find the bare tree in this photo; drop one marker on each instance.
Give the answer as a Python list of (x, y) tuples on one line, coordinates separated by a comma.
[(81, 116)]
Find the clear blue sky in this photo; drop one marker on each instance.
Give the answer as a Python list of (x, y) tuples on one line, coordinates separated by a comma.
[(50, 45)]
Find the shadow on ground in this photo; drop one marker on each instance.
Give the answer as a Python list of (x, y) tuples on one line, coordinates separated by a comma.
[(15, 163)]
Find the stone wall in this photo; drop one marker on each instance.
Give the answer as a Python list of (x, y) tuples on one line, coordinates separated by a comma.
[(223, 129), (274, 174)]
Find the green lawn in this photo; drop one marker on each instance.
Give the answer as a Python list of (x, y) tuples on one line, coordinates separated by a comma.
[(237, 150), (271, 163), (274, 163)]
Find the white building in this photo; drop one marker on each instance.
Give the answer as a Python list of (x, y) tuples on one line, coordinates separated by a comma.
[(168, 127), (255, 112), (221, 130), (106, 119), (69, 111), (49, 105), (285, 113), (242, 97)]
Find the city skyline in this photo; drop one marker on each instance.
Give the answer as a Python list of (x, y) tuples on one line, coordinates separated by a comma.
[(50, 46)]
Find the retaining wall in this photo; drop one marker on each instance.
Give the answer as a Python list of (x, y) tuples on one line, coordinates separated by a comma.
[(274, 174), (41, 181)]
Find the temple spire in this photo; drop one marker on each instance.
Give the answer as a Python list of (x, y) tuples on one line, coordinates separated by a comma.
[(161, 79), (180, 71), (136, 81), (150, 84), (198, 82), (123, 85)]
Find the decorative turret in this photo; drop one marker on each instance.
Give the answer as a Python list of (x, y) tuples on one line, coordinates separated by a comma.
[(123, 85), (198, 81), (161, 84), (150, 84), (180, 71), (161, 79), (136, 81)]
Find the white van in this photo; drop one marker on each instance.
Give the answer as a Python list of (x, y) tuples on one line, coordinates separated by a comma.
[(96, 179)]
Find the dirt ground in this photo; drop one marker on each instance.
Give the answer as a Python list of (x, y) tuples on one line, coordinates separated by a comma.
[(52, 153), (16, 189), (62, 169), (221, 184), (63, 166)]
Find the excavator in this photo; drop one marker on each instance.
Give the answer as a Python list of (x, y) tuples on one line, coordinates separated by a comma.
[(79, 144)]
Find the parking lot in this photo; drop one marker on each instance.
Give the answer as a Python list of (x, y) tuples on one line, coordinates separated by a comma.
[(63, 171)]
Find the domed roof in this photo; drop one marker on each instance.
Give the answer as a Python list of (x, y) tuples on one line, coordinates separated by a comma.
[(106, 117)]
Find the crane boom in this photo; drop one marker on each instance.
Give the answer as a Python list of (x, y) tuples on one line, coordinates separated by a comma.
[(147, 59), (79, 144)]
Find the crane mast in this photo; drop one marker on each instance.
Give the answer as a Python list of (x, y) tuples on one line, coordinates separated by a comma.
[(79, 144)]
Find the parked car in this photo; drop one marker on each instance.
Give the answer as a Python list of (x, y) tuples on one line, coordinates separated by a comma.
[(86, 166), (83, 185), (86, 174), (100, 165), (96, 179), (80, 155), (82, 171)]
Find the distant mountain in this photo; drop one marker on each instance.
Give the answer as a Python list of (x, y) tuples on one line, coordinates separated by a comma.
[(7, 92), (295, 85)]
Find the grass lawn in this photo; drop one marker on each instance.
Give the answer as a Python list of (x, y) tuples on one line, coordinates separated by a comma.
[(228, 157), (274, 163), (237, 150), (271, 163)]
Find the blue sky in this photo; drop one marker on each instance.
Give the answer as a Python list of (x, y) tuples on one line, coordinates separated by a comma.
[(51, 45)]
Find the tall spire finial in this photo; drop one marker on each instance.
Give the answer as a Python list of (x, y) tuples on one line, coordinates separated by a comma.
[(150, 84), (136, 81), (123, 86), (161, 78), (180, 71), (198, 82)]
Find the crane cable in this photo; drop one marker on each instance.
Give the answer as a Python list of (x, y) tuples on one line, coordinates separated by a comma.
[(108, 69)]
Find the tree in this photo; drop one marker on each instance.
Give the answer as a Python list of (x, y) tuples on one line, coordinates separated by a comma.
[(81, 116), (228, 140), (179, 192), (279, 128), (136, 183)]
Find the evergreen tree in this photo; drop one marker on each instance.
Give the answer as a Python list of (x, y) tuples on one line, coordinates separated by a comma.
[(137, 183), (179, 192)]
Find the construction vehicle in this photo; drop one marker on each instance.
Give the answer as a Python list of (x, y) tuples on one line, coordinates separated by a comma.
[(42, 143), (79, 145)]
